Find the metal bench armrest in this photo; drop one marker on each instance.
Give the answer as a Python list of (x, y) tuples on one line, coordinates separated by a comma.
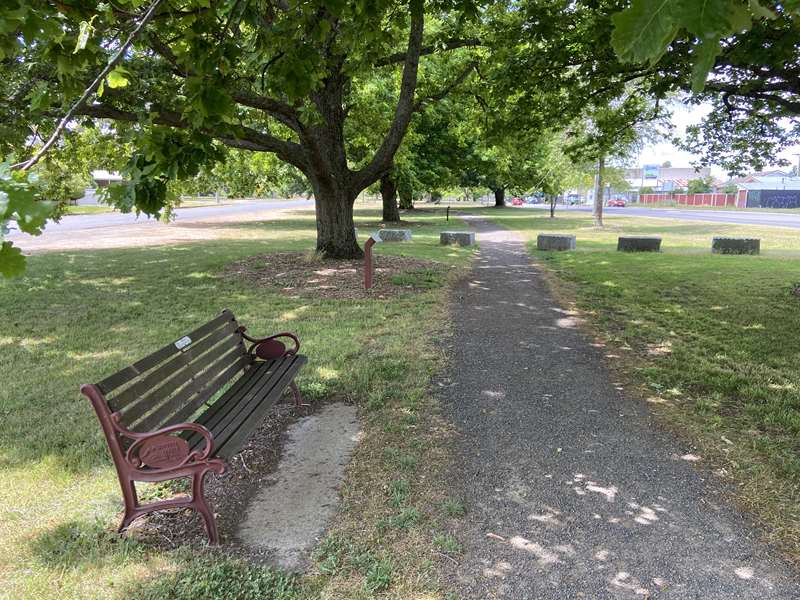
[(196, 456), (256, 341)]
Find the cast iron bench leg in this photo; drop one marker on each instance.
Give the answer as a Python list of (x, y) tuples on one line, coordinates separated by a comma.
[(298, 397), (200, 504)]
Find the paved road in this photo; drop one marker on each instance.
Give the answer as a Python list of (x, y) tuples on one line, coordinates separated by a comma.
[(739, 217), (571, 491), (182, 215)]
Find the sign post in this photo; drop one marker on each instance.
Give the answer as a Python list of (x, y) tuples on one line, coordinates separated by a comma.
[(369, 265)]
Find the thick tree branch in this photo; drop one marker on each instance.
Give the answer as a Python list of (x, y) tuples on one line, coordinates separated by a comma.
[(791, 106), (420, 103), (279, 110), (241, 137), (382, 160), (429, 49)]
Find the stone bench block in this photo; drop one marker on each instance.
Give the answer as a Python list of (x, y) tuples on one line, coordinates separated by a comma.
[(639, 244), (394, 235), (555, 241), (462, 238), (731, 245)]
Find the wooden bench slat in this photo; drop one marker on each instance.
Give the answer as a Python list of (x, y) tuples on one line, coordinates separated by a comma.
[(192, 380), (178, 372), (234, 437), (214, 416), (243, 383), (192, 406), (236, 409), (175, 372), (259, 374), (195, 393), (112, 382)]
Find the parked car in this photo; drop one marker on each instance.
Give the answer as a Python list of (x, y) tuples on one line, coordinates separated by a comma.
[(616, 202), (516, 201)]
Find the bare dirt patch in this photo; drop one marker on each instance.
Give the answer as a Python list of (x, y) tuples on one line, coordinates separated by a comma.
[(298, 274)]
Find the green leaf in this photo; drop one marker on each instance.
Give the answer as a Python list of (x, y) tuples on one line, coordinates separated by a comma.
[(117, 78), (39, 96), (706, 53), (31, 214), (12, 263), (85, 30), (760, 11), (643, 31)]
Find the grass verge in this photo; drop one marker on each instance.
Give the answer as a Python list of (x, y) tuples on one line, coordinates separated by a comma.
[(713, 342), (75, 317)]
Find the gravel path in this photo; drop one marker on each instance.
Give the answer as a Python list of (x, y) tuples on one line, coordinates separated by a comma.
[(570, 491)]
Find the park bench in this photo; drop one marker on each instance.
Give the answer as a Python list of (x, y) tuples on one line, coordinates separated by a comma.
[(186, 409)]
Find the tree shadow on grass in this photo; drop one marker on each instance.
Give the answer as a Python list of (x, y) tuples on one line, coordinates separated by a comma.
[(76, 543)]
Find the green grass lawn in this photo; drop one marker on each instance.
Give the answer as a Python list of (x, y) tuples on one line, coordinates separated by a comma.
[(714, 340), (77, 317), (88, 210)]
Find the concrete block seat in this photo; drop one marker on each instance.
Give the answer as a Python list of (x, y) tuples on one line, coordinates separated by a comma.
[(639, 244), (555, 241), (732, 245), (462, 238)]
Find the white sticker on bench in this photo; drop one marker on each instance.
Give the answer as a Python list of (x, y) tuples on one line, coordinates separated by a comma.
[(183, 342)]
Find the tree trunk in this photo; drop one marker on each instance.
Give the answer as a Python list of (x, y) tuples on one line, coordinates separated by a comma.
[(336, 236), (499, 197), (552, 206), (406, 197), (389, 195), (597, 211)]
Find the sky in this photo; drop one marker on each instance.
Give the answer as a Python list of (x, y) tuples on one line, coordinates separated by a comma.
[(683, 116)]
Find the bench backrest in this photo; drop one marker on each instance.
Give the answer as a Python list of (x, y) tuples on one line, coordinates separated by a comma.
[(171, 384)]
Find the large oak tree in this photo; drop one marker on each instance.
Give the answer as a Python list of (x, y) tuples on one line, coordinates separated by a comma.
[(260, 75)]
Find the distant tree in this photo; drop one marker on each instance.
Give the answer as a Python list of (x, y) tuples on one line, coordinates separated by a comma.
[(666, 164), (240, 174), (700, 185), (613, 133)]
